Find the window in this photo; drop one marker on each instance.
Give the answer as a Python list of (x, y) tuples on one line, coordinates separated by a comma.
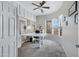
[(55, 23)]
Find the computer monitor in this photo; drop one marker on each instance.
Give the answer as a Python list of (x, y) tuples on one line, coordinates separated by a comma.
[(37, 31)]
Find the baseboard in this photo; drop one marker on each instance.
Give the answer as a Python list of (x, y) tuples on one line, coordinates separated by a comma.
[(63, 48)]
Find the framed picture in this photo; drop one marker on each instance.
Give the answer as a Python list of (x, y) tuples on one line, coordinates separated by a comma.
[(64, 18), (73, 8), (76, 18), (66, 23)]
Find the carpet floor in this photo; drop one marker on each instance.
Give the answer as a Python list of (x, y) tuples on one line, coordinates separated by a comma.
[(50, 48)]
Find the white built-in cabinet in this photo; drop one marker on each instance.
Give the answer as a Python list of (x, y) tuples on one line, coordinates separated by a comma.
[(25, 18), (7, 30)]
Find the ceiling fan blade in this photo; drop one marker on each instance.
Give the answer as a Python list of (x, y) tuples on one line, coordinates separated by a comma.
[(46, 7), (42, 10), (35, 8), (43, 2), (35, 4)]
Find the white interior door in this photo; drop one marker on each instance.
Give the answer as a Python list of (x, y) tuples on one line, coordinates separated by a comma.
[(7, 29), (78, 28), (78, 34)]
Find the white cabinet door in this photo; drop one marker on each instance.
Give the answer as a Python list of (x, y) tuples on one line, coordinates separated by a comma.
[(78, 27)]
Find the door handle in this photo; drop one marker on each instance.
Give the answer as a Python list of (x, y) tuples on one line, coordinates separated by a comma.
[(77, 46)]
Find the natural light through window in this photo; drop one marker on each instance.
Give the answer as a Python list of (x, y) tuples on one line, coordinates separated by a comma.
[(55, 23)]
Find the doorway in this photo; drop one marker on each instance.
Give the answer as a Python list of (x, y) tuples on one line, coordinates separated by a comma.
[(49, 27)]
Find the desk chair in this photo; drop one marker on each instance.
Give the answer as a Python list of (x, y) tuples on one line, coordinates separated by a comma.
[(36, 37)]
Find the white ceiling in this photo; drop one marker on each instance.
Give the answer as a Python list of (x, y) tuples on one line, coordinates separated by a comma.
[(54, 6)]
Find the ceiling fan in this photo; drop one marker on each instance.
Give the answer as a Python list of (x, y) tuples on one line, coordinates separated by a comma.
[(40, 6)]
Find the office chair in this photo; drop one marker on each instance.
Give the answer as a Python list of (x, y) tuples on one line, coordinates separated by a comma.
[(36, 37)]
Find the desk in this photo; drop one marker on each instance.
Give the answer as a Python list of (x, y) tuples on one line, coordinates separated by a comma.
[(41, 35)]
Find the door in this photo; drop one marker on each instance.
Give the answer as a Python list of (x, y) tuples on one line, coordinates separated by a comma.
[(49, 27), (55, 31), (78, 27), (7, 29)]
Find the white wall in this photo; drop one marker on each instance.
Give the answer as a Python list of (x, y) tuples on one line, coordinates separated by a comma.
[(70, 37)]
